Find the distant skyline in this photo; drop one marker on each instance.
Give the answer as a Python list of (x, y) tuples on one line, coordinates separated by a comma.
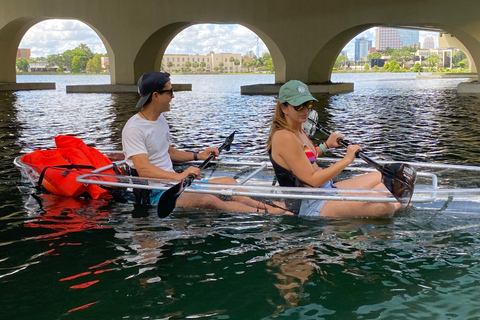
[(56, 36)]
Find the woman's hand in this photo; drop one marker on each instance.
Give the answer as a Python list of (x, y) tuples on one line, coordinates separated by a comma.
[(332, 141), (352, 152)]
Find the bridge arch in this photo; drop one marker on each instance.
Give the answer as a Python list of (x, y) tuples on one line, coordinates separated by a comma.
[(150, 55), (320, 70), (12, 34)]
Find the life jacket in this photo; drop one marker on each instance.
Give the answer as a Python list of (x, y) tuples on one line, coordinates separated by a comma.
[(59, 168)]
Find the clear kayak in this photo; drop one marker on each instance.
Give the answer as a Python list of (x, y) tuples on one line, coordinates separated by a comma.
[(436, 183)]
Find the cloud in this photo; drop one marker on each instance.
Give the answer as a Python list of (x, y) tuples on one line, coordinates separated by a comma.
[(56, 36), (203, 38)]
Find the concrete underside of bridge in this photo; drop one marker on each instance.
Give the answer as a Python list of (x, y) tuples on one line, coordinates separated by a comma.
[(303, 37)]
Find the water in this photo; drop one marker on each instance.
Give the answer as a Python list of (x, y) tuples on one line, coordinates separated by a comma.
[(80, 259)]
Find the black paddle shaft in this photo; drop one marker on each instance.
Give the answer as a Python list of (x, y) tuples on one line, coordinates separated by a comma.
[(399, 178), (167, 201)]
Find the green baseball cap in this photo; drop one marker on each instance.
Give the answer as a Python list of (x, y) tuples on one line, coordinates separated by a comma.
[(295, 93)]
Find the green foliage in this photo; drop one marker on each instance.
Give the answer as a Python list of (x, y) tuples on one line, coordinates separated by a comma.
[(433, 61), (341, 62), (394, 66), (22, 64), (375, 68), (94, 65), (458, 56), (461, 64), (76, 64), (374, 55), (417, 67)]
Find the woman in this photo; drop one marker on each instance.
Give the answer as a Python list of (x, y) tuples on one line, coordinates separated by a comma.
[(293, 157)]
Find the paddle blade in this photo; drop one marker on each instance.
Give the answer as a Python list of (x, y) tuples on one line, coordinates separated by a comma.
[(167, 201), (400, 178), (228, 142)]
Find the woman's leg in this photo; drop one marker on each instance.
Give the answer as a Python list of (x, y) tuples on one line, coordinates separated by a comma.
[(357, 209), (372, 180)]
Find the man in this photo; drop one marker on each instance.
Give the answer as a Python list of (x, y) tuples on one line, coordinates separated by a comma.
[(147, 149)]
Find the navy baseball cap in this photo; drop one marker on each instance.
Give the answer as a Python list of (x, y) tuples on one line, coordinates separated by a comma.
[(149, 83)]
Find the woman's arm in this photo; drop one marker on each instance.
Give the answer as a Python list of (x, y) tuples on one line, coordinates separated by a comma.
[(288, 152)]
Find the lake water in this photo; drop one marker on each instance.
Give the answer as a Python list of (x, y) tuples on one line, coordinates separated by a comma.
[(64, 258)]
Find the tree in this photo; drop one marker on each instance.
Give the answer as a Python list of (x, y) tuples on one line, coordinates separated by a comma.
[(341, 62), (433, 61), (417, 67), (195, 65), (169, 65), (22, 64), (203, 65), (393, 66), (374, 55), (187, 66), (67, 57), (76, 64), (366, 66), (220, 67), (458, 56), (85, 49), (94, 65), (55, 60)]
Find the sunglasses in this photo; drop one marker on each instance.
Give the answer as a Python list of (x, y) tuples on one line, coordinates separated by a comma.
[(308, 105), (163, 91)]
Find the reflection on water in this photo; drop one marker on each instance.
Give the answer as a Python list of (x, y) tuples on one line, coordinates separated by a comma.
[(93, 259)]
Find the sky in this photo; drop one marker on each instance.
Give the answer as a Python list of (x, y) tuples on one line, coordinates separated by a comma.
[(56, 36)]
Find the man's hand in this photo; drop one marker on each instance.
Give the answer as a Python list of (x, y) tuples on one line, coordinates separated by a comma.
[(191, 170), (207, 153)]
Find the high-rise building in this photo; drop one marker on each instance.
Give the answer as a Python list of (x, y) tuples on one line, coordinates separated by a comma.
[(428, 43), (396, 38), (361, 47)]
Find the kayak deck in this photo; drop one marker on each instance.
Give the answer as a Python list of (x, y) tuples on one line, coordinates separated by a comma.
[(255, 178)]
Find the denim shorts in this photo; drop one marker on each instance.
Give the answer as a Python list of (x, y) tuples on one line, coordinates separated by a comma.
[(312, 208), (156, 194)]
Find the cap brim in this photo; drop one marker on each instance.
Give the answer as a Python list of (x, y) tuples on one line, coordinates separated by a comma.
[(299, 100), (142, 100)]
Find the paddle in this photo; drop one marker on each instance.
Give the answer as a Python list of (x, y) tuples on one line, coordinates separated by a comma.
[(167, 201), (399, 178)]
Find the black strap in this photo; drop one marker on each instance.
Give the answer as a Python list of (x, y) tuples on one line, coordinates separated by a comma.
[(142, 196), (65, 173)]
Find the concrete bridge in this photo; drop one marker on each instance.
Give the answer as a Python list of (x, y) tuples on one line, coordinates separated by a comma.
[(304, 37)]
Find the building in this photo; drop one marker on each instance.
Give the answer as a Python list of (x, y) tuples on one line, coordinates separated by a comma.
[(445, 56), (105, 63), (41, 66), (429, 43), (362, 45), (249, 54), (23, 53), (213, 62), (396, 38)]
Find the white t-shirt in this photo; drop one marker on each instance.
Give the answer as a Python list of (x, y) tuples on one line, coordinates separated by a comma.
[(150, 137)]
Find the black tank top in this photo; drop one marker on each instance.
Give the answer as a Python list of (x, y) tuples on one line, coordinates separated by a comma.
[(287, 179)]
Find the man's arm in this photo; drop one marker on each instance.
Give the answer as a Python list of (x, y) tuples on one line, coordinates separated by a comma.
[(146, 169), (182, 156)]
